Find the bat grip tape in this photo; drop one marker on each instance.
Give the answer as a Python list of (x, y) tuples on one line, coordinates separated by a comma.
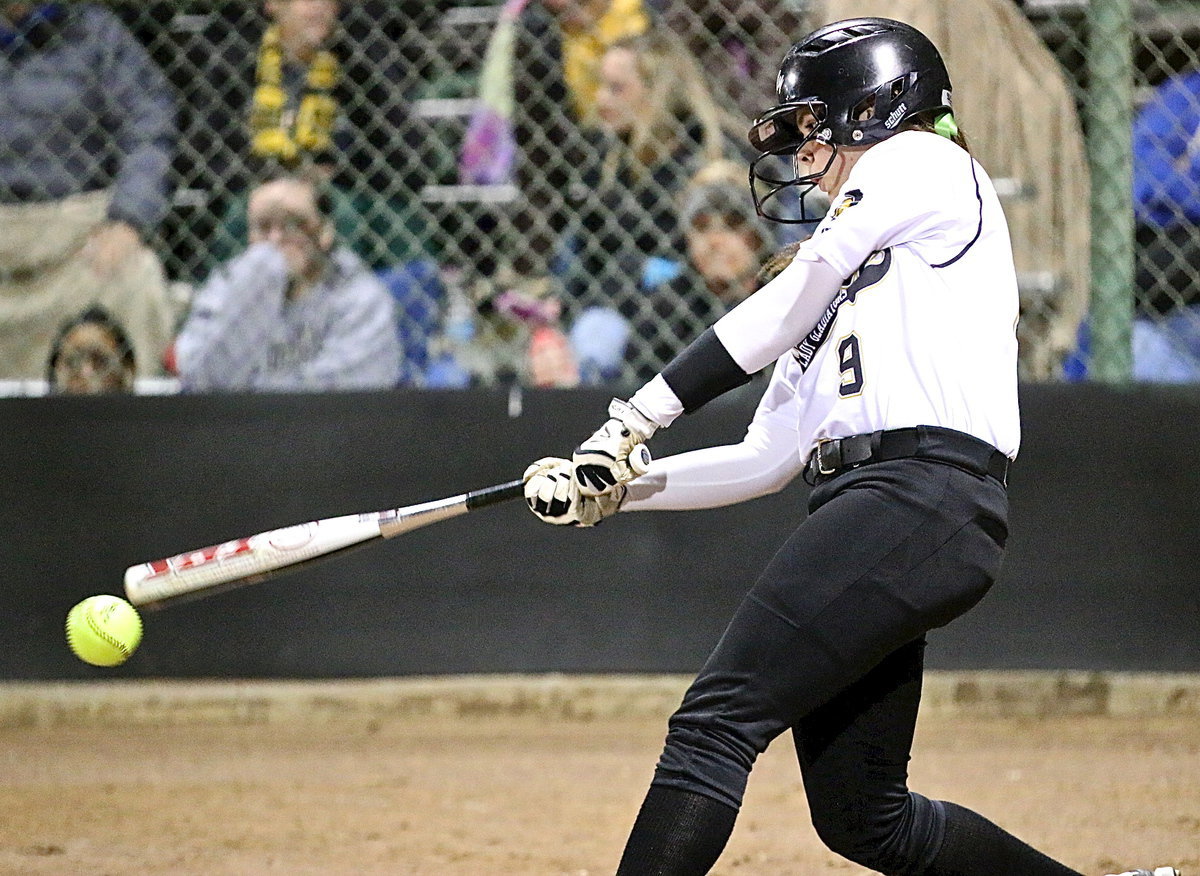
[(481, 498)]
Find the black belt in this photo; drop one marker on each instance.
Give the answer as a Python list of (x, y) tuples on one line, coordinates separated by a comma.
[(834, 456)]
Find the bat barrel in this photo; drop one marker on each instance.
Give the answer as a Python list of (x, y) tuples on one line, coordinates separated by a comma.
[(257, 557), (244, 560)]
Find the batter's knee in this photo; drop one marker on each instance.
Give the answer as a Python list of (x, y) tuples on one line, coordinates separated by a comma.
[(895, 838), (712, 757)]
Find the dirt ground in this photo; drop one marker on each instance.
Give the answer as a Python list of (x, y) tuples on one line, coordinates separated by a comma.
[(537, 795)]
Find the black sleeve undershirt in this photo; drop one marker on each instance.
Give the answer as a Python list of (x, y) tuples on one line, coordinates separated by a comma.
[(703, 371)]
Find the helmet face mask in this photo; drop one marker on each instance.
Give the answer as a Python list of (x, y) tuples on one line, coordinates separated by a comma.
[(783, 126), (782, 133), (860, 80)]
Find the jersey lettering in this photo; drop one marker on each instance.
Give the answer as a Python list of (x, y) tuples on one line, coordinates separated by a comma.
[(869, 274)]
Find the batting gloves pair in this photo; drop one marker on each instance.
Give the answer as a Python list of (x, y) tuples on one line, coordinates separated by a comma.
[(553, 494), (616, 453)]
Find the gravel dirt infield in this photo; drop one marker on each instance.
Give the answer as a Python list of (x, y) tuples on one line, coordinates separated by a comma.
[(514, 786)]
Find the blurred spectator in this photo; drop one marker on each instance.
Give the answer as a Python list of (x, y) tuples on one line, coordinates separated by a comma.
[(91, 355), (599, 212), (589, 29), (1166, 348), (726, 243), (739, 44), (511, 329), (538, 83), (294, 89), (292, 312), (1166, 194), (552, 362), (599, 338), (658, 124), (502, 329), (726, 239), (419, 293), (587, 350), (87, 127)]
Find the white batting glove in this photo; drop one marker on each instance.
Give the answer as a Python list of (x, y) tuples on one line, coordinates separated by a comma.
[(616, 453), (553, 495)]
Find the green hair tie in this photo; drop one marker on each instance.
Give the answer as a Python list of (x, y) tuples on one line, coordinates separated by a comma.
[(946, 126)]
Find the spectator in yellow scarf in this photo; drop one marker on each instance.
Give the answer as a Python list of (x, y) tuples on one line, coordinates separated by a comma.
[(293, 110), (295, 84)]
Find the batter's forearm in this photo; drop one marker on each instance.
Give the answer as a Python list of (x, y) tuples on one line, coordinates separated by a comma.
[(711, 478), (700, 373)]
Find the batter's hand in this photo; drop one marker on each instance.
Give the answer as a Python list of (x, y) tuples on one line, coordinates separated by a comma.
[(616, 452), (552, 494)]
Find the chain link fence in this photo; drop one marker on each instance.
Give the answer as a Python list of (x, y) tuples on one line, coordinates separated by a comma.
[(468, 147), (1133, 65)]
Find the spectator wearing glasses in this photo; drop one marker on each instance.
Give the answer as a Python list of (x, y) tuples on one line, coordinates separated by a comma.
[(91, 355), (293, 311)]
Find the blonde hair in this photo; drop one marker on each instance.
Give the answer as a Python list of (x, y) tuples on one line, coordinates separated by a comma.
[(677, 97)]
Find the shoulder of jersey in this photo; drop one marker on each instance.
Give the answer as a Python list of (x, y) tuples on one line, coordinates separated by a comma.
[(914, 161), (909, 160), (917, 150)]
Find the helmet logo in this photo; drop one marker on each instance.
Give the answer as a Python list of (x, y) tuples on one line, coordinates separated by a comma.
[(895, 116), (824, 134)]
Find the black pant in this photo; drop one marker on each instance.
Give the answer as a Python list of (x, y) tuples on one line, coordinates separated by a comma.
[(829, 644)]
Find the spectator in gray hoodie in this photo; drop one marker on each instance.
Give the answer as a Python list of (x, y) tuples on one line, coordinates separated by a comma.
[(294, 311), (87, 129)]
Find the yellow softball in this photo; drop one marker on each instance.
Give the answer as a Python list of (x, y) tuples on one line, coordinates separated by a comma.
[(103, 630)]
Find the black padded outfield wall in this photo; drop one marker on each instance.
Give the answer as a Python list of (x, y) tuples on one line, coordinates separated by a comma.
[(1103, 570)]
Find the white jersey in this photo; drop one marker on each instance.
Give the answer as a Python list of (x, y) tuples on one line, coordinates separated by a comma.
[(921, 332)]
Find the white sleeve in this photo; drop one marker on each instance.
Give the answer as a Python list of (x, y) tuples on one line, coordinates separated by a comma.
[(748, 338), (657, 401), (765, 461), (917, 189), (778, 316)]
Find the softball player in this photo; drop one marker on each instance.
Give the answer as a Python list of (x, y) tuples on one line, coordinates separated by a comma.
[(894, 392)]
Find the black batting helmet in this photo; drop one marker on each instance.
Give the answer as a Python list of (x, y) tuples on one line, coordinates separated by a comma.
[(860, 79)]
